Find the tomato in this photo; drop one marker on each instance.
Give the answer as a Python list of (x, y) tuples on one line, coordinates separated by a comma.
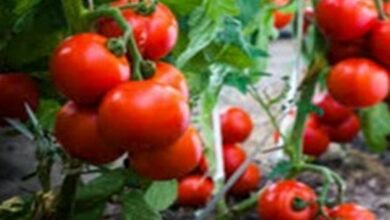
[(248, 182), (156, 34), (358, 83), (203, 166), (281, 19), (17, 89), (83, 69), (76, 130), (315, 139), (351, 211), (233, 157), (195, 190), (170, 162), (354, 18), (276, 202), (308, 18), (386, 8), (344, 132), (167, 74), (340, 51), (333, 113), (236, 125), (141, 115), (379, 42)]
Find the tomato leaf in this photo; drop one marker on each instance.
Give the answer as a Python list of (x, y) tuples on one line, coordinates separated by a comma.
[(17, 208), (281, 169), (46, 113), (93, 213), (161, 194), (134, 207), (375, 123)]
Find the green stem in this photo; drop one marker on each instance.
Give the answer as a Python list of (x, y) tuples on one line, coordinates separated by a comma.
[(380, 9), (74, 11)]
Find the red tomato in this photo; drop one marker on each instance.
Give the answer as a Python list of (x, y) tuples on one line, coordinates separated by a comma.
[(386, 8), (236, 125), (83, 69), (333, 112), (315, 139), (202, 167), (354, 18), (170, 162), (358, 83), (142, 115), (344, 132), (248, 182), (340, 51), (233, 157), (156, 34), (17, 89), (167, 74), (379, 42), (281, 19), (351, 211), (76, 130), (277, 201), (195, 190)]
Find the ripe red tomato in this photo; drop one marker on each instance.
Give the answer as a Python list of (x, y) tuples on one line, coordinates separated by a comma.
[(83, 69), (233, 157), (167, 74), (315, 138), (170, 162), (248, 182), (156, 34), (277, 201), (358, 83), (333, 112), (236, 125), (379, 42), (351, 211), (354, 18), (195, 190), (76, 130), (142, 115), (344, 132), (281, 19), (386, 8), (17, 89), (202, 167), (340, 51)]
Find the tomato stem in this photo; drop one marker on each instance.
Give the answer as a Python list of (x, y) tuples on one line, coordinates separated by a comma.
[(380, 9)]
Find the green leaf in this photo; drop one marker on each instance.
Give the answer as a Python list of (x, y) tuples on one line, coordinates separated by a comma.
[(17, 208), (134, 207), (182, 9), (161, 194), (46, 113), (281, 169), (20, 127), (101, 188), (94, 213), (375, 123)]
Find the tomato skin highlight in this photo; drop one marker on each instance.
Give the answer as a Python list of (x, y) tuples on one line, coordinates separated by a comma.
[(83, 69), (315, 139), (195, 190), (354, 18), (358, 83), (333, 112), (17, 89), (379, 42), (170, 162), (233, 157), (248, 182), (276, 201), (344, 132), (142, 115), (236, 125), (351, 211), (76, 130)]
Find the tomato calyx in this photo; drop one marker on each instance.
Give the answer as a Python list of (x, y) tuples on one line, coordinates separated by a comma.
[(117, 46), (299, 204), (142, 7), (148, 69)]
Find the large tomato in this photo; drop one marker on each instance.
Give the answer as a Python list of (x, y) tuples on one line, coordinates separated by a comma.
[(236, 125), (195, 190), (358, 83), (379, 42), (17, 89), (76, 130), (276, 202), (170, 162), (315, 138), (83, 68), (333, 113), (281, 19), (344, 132), (351, 211), (156, 34), (142, 115), (233, 157), (345, 20), (248, 182)]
